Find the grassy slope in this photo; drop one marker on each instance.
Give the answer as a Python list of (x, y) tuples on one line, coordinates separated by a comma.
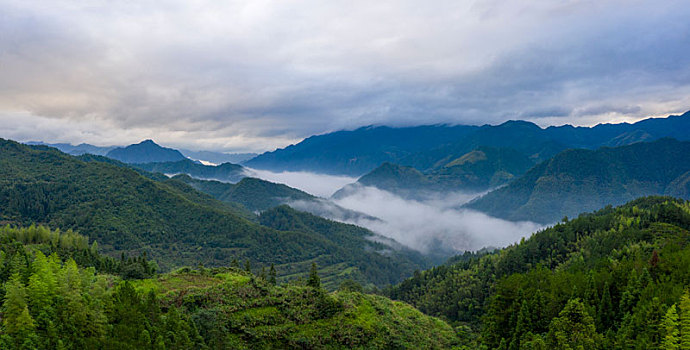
[(250, 314)]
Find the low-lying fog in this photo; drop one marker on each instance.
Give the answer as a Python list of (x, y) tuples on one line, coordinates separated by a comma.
[(433, 225), (319, 185)]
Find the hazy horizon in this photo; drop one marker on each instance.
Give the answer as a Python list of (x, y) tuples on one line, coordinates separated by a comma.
[(253, 76), (238, 151)]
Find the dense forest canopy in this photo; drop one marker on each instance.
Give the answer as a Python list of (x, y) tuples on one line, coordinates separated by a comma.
[(58, 292), (579, 180), (608, 280), (132, 212)]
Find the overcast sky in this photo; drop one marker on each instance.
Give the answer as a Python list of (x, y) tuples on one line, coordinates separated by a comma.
[(255, 75)]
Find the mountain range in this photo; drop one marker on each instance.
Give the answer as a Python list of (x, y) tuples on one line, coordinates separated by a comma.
[(476, 171), (426, 148), (146, 151), (226, 172), (579, 180), (82, 148), (177, 225)]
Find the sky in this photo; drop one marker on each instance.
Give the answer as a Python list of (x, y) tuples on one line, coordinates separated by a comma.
[(255, 75)]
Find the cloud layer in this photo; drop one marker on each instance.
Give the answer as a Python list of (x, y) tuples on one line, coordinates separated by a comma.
[(433, 226), (255, 75), (320, 185)]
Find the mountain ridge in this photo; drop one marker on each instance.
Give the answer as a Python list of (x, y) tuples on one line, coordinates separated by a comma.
[(580, 180), (145, 151), (356, 152)]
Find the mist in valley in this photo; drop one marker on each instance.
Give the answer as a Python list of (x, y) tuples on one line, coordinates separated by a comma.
[(432, 224), (319, 185)]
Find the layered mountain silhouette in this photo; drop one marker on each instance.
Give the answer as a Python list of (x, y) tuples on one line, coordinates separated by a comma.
[(426, 148), (476, 171), (145, 152), (132, 212), (226, 172), (579, 180)]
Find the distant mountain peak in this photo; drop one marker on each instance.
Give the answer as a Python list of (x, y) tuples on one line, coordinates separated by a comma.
[(146, 151), (519, 124)]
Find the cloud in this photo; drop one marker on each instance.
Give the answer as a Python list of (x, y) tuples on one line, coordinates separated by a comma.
[(255, 75), (433, 226), (319, 185)]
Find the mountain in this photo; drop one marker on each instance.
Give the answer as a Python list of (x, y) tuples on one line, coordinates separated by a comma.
[(76, 298), (226, 172), (145, 152), (217, 157), (358, 151), (579, 180), (177, 225), (254, 194), (479, 170), (427, 148), (82, 148), (615, 278), (380, 269)]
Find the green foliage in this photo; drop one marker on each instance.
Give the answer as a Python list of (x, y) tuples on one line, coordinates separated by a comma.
[(578, 180), (223, 172), (252, 193), (573, 328), (133, 212), (618, 270), (352, 255), (52, 303), (477, 170), (669, 326), (314, 281)]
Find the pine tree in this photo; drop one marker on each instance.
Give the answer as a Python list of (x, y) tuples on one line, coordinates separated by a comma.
[(42, 283), (524, 325), (573, 328), (314, 280), (14, 305), (669, 325), (685, 321), (272, 275), (605, 312), (248, 266)]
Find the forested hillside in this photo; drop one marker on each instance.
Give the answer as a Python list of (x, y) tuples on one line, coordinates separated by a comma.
[(359, 151), (576, 181), (254, 194), (425, 148), (616, 278), (177, 225), (227, 172), (478, 170), (146, 151), (355, 242), (58, 292)]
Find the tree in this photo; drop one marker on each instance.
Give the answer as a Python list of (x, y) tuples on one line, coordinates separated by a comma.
[(573, 328), (314, 280), (685, 321), (248, 266), (350, 285), (605, 313), (272, 275), (17, 320), (669, 325)]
